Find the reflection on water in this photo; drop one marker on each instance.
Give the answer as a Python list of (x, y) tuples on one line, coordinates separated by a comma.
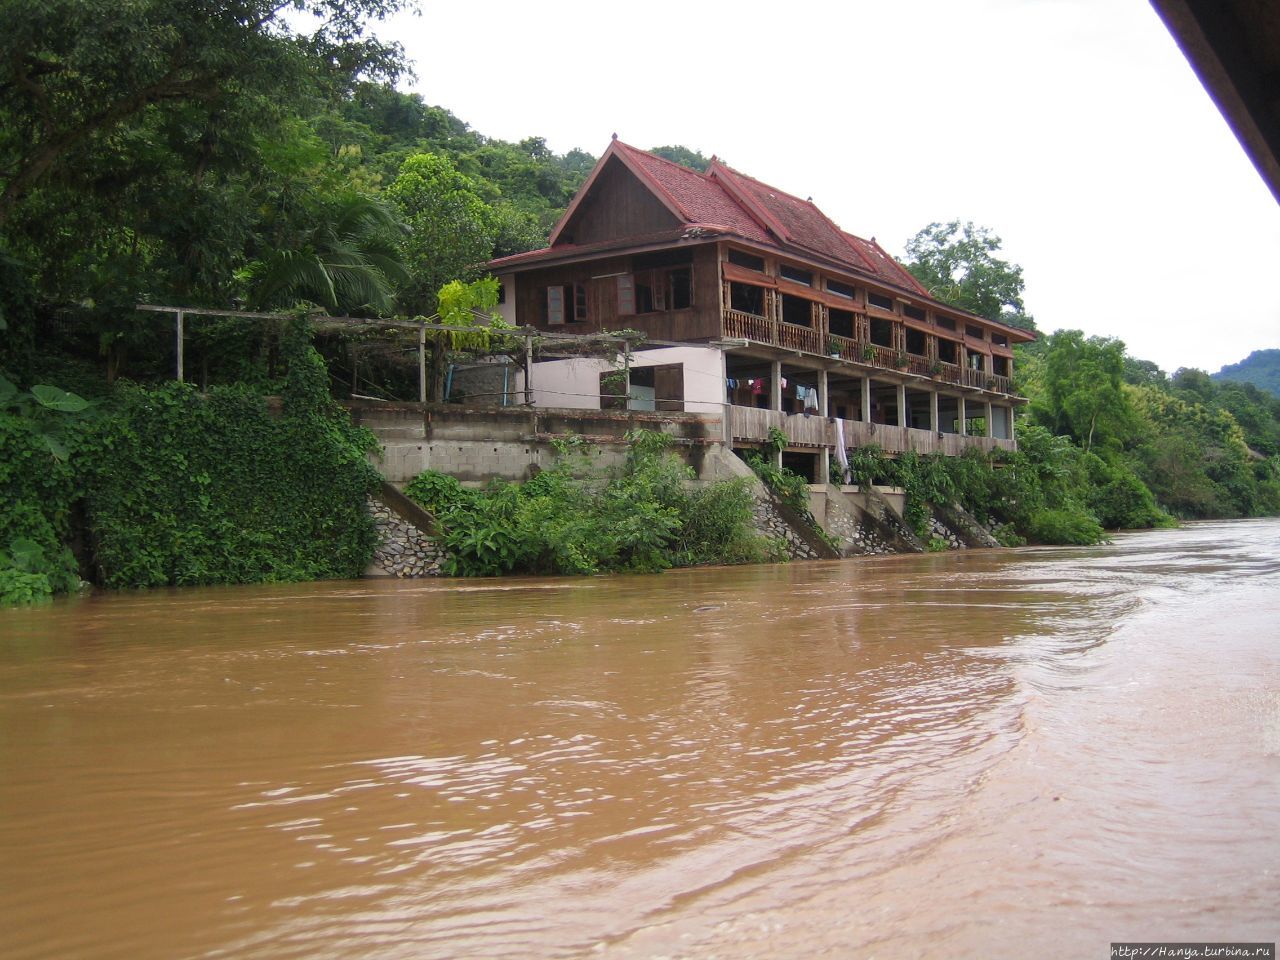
[(939, 755)]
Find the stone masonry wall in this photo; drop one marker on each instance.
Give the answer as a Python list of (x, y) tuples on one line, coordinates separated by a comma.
[(403, 550)]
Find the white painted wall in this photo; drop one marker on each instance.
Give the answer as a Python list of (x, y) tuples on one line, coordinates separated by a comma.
[(575, 383), (507, 309)]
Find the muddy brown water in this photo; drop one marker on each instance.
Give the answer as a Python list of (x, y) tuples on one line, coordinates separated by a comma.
[(992, 753)]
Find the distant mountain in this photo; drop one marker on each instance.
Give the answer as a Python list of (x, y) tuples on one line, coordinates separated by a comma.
[(1261, 368)]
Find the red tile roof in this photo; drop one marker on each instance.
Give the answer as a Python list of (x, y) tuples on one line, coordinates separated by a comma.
[(701, 201), (724, 201)]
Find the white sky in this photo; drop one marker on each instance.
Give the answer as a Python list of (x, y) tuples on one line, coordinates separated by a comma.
[(1074, 129)]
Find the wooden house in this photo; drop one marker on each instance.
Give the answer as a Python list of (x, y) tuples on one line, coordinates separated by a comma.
[(818, 333)]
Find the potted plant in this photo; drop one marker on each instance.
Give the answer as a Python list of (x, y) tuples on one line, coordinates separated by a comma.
[(900, 359), (935, 368), (833, 347), (867, 353)]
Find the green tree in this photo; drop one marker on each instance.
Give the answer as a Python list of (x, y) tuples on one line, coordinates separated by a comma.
[(1081, 390), (348, 261), (462, 306), (693, 159), (75, 73), (957, 263), (451, 229)]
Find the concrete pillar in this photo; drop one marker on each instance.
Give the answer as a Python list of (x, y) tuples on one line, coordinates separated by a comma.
[(726, 408), (933, 410), (775, 399), (866, 399), (961, 414), (824, 409), (991, 427), (904, 415)]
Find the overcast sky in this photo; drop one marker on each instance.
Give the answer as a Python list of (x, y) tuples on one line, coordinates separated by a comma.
[(1074, 129)]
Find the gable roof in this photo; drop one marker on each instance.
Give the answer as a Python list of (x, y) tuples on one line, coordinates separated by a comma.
[(722, 201)]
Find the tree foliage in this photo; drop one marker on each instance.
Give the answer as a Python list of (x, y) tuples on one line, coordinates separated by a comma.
[(76, 75), (693, 159), (1081, 392), (957, 263), (571, 519)]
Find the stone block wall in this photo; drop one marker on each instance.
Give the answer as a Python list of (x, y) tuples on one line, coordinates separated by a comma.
[(403, 549)]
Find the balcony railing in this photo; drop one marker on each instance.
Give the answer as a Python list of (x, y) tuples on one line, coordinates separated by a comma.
[(790, 336), (751, 425)]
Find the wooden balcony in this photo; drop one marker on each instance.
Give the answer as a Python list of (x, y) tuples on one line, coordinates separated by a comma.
[(751, 425), (790, 336)]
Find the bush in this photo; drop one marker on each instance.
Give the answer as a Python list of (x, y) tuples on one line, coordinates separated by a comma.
[(1064, 527), (185, 489), (567, 521), (36, 495)]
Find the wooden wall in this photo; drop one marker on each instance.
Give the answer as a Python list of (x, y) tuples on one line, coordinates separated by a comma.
[(618, 206), (699, 322)]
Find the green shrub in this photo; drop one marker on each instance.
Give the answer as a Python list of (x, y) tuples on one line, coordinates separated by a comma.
[(1064, 527), (185, 489), (37, 491), (569, 520)]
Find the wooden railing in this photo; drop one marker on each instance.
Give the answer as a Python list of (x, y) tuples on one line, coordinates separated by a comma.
[(748, 326), (792, 336), (751, 425)]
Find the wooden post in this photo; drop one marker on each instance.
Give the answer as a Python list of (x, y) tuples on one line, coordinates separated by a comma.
[(528, 370), (180, 357), (904, 420), (960, 416), (990, 425), (866, 399), (933, 410), (626, 376), (422, 363)]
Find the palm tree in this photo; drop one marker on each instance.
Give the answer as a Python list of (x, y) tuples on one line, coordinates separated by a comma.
[(348, 262)]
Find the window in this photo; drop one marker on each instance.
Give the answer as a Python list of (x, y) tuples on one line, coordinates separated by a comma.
[(841, 289), (946, 323), (502, 292), (882, 332), (797, 310), (915, 342), (565, 303), (648, 291), (796, 275), (948, 351), (746, 298), (976, 332), (1000, 366), (841, 322), (876, 300), (976, 361), (743, 259), (915, 313), (999, 339)]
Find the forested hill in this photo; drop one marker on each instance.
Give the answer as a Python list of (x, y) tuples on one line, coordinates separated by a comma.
[(1261, 368)]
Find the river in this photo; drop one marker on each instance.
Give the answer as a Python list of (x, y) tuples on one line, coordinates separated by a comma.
[(987, 753)]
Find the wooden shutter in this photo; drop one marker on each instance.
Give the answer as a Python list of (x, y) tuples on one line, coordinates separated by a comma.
[(626, 295), (555, 305), (668, 386)]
